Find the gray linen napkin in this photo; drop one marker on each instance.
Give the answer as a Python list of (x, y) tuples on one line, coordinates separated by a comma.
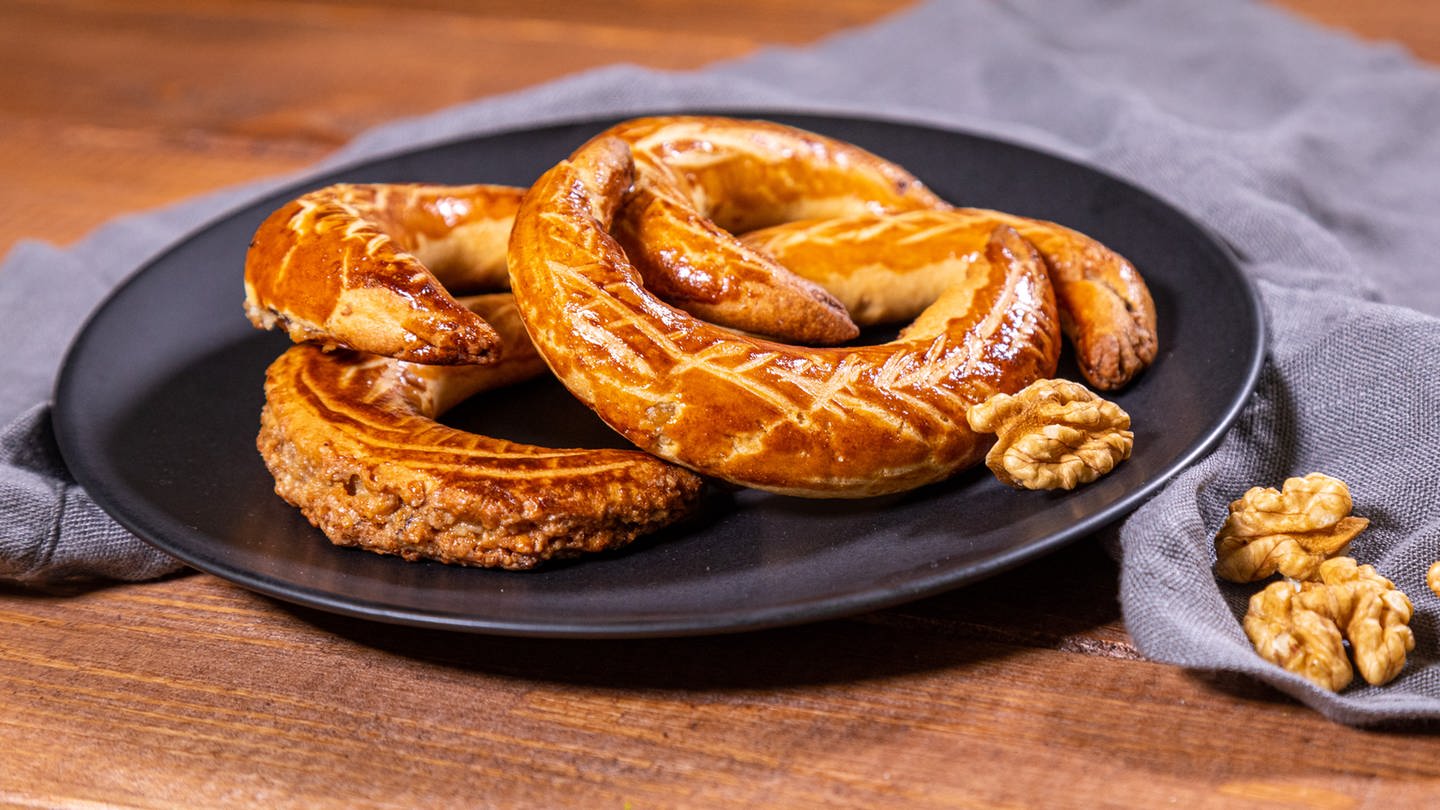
[(1310, 152)]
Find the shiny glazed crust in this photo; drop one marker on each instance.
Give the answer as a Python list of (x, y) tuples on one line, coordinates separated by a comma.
[(703, 178), (351, 439), (815, 422), (372, 267), (883, 267)]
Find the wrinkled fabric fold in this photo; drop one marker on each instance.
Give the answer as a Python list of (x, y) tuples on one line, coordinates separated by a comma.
[(1310, 153)]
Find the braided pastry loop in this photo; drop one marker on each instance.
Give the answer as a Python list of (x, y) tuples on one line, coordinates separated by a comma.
[(816, 422)]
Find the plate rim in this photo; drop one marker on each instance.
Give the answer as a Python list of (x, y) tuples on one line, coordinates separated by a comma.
[(773, 615)]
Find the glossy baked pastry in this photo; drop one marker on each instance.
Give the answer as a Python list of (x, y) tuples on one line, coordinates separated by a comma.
[(701, 180), (657, 272), (373, 268), (883, 269), (815, 422)]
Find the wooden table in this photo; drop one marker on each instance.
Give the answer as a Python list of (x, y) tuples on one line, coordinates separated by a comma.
[(1020, 691)]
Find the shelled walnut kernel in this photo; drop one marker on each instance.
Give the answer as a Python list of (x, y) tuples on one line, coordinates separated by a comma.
[(1053, 434), (1290, 532), (1302, 626)]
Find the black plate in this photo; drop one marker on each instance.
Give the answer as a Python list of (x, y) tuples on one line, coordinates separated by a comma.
[(158, 401)]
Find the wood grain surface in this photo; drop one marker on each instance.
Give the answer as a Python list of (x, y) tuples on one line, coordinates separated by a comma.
[(1021, 691)]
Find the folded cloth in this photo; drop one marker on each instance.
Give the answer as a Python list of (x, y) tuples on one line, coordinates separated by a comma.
[(1310, 152), (53, 532)]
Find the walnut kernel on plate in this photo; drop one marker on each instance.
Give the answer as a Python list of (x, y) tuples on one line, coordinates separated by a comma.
[(1053, 434)]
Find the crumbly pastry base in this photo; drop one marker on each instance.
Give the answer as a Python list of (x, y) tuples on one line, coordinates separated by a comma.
[(352, 441), (408, 514)]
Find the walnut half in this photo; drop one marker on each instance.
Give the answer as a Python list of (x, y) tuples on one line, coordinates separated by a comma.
[(1291, 532), (1053, 434), (1302, 626)]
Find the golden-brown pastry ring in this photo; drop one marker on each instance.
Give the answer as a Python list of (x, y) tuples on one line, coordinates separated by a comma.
[(816, 422), (351, 439)]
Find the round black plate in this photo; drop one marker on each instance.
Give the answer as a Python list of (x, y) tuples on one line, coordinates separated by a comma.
[(158, 404)]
